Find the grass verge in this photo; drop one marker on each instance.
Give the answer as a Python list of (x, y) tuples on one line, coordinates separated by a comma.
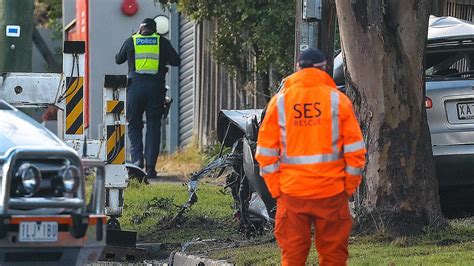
[(211, 218), (149, 209)]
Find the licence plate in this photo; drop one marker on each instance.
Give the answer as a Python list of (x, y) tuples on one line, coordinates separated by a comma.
[(465, 110), (38, 231)]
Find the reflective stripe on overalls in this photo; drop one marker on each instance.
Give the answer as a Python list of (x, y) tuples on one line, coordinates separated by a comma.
[(147, 53)]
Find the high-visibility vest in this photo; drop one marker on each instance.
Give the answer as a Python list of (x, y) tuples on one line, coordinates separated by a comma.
[(310, 144), (147, 53)]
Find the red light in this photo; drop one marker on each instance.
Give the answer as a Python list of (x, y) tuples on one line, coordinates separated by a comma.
[(428, 102), (129, 7)]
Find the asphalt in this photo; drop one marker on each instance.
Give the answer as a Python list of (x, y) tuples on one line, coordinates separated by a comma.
[(176, 259)]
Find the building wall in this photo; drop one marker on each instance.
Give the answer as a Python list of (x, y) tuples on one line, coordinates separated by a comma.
[(69, 11), (108, 29)]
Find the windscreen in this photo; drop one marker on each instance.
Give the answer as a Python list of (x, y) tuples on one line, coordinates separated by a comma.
[(450, 61), (17, 129)]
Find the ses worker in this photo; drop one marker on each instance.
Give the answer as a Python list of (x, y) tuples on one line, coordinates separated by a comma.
[(311, 155)]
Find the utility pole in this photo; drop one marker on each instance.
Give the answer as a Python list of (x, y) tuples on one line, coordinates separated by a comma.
[(315, 27), (16, 30)]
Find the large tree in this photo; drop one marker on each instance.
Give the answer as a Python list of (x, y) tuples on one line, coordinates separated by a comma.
[(384, 44)]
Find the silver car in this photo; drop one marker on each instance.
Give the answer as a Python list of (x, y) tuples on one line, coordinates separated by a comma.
[(449, 98)]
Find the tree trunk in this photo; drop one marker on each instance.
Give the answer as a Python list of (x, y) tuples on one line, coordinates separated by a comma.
[(263, 88), (262, 79), (384, 44)]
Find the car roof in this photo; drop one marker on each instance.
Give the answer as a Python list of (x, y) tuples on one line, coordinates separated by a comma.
[(449, 28)]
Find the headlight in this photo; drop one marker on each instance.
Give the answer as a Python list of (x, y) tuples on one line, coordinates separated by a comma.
[(69, 179), (29, 177)]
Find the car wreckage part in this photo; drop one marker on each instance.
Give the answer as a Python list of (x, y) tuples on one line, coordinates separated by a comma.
[(254, 206)]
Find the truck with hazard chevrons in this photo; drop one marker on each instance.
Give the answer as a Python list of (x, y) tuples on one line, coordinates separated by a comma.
[(45, 216)]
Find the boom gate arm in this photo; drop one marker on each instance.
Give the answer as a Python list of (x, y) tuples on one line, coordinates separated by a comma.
[(32, 89)]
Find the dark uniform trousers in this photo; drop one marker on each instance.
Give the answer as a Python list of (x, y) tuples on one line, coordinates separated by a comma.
[(145, 95)]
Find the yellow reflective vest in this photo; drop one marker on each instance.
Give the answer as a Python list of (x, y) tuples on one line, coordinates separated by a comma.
[(147, 53)]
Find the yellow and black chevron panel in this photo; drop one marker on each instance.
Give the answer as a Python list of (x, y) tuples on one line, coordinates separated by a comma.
[(116, 144), (115, 107), (74, 106)]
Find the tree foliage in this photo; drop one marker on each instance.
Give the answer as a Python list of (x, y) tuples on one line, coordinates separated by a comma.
[(255, 33)]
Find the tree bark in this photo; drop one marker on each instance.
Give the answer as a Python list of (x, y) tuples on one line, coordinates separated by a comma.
[(384, 44)]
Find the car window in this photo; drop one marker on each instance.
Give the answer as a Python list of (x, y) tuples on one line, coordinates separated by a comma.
[(450, 61)]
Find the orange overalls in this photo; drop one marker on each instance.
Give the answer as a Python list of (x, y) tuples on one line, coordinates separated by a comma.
[(311, 155)]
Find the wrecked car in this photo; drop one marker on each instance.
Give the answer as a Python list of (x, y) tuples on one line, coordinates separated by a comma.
[(44, 218), (254, 207)]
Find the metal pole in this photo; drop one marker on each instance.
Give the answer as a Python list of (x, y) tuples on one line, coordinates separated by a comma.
[(308, 18), (16, 30), (298, 20), (315, 27), (174, 83)]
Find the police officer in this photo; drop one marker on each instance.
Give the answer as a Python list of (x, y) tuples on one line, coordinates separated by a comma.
[(311, 154), (148, 55)]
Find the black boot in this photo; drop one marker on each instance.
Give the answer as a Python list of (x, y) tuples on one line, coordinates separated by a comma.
[(151, 173)]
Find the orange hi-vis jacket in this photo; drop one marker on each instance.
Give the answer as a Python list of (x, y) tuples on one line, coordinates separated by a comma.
[(310, 144)]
